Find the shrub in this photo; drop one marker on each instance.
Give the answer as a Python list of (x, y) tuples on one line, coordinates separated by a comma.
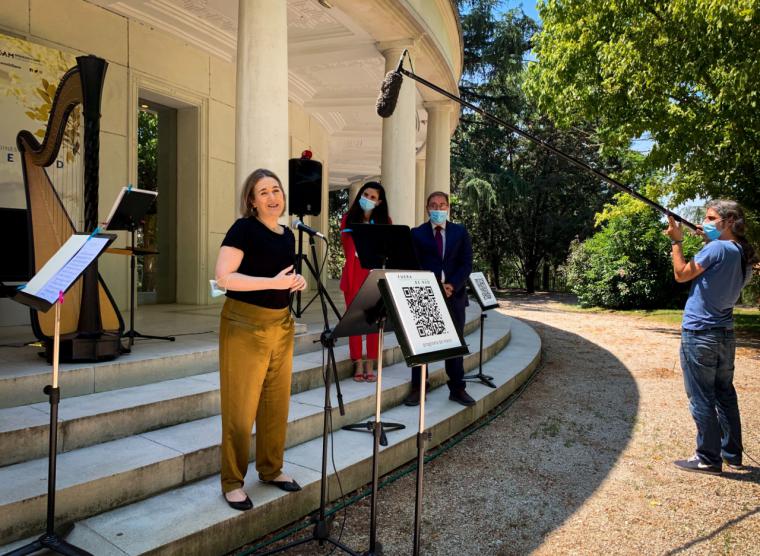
[(627, 263)]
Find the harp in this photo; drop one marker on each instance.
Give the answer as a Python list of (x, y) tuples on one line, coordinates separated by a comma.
[(91, 324)]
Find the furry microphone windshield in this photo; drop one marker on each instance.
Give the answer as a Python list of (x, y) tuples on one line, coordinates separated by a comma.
[(389, 91)]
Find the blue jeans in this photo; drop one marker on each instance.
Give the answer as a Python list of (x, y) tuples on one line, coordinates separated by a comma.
[(707, 360)]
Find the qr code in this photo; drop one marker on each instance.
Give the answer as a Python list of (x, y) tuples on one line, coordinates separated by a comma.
[(483, 289), (427, 316)]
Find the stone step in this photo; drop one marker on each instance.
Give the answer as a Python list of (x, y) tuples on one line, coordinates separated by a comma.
[(94, 418), (110, 474), (194, 520), (151, 361)]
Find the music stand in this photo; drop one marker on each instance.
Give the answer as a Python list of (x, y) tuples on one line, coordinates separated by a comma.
[(379, 246), (367, 315), (487, 300), (385, 246), (45, 290), (425, 330), (128, 210)]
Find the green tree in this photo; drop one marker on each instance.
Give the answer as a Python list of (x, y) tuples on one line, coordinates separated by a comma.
[(521, 205), (626, 264), (147, 150), (337, 207), (685, 72)]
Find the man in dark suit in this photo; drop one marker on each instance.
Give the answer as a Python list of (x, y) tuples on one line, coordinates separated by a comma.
[(445, 249)]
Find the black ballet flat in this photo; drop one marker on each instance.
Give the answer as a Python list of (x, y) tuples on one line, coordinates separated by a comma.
[(287, 486), (241, 506)]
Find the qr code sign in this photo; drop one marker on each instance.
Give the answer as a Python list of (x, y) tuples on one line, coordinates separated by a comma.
[(427, 316), (485, 291)]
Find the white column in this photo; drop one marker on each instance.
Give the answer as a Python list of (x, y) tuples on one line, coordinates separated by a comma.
[(438, 147), (419, 182), (353, 190), (261, 113), (398, 155)]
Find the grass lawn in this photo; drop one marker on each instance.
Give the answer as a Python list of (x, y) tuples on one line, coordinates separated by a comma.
[(746, 319)]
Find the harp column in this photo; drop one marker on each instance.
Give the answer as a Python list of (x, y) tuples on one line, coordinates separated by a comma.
[(261, 110), (438, 147), (399, 131)]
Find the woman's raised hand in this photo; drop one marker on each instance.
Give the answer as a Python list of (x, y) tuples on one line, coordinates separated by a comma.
[(285, 279), (300, 283)]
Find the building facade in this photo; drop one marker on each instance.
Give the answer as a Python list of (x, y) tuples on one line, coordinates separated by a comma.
[(242, 84)]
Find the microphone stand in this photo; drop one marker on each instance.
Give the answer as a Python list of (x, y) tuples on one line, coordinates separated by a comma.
[(321, 532), (569, 158), (300, 259)]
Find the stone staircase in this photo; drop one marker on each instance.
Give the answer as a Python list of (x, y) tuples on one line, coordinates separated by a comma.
[(139, 462)]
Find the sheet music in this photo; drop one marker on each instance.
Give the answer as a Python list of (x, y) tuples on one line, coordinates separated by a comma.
[(65, 266), (115, 205), (64, 254), (62, 280), (120, 196)]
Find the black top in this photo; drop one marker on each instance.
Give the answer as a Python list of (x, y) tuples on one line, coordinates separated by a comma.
[(265, 254)]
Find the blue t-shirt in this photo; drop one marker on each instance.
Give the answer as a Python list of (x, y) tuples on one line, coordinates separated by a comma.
[(714, 293)]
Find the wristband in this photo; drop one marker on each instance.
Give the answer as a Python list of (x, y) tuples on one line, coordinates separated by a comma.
[(675, 241)]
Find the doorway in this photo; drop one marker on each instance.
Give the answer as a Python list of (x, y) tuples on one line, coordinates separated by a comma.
[(157, 171)]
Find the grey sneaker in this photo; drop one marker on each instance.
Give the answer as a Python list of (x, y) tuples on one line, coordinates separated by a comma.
[(695, 465), (733, 466)]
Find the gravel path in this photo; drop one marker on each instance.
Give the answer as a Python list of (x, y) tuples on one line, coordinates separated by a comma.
[(581, 463)]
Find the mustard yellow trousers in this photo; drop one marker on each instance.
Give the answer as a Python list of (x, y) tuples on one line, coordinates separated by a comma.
[(255, 367)]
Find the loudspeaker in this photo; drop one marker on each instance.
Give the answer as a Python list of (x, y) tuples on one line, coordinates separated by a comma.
[(305, 186), (14, 224)]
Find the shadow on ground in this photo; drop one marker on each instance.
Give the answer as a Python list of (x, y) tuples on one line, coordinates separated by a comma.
[(509, 484)]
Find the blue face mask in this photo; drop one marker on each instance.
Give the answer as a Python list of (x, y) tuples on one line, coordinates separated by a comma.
[(438, 217), (366, 204), (711, 231), (216, 291)]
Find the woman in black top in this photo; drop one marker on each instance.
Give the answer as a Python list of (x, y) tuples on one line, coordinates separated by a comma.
[(255, 266)]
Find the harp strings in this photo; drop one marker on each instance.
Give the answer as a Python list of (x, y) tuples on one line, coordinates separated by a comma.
[(67, 175)]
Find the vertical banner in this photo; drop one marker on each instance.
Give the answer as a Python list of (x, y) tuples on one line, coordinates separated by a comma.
[(29, 76)]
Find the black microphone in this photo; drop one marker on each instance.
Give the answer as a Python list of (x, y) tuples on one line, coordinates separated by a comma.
[(390, 89), (299, 225)]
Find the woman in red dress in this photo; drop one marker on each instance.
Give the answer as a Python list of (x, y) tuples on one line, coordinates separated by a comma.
[(369, 207)]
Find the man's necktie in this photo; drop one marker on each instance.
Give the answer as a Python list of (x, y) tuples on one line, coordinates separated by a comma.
[(439, 241)]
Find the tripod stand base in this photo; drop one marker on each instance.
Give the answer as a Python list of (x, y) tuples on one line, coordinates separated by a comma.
[(480, 377), (377, 552), (321, 534), (369, 426), (132, 334), (52, 542)]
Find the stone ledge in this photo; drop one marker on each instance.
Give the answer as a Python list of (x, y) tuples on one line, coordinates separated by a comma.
[(193, 520), (176, 455)]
